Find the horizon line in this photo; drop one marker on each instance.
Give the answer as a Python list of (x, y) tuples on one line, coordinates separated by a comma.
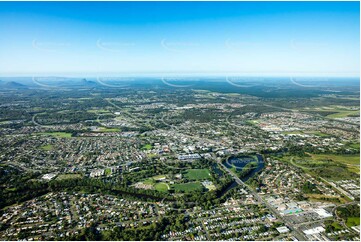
[(180, 74)]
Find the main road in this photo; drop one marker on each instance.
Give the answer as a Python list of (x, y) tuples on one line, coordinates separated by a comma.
[(296, 232)]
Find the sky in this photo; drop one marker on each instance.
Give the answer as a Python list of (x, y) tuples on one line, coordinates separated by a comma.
[(261, 38)]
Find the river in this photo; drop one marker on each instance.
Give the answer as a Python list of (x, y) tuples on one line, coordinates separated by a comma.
[(239, 163)]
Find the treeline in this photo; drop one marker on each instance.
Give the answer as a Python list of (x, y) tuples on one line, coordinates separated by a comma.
[(69, 116)]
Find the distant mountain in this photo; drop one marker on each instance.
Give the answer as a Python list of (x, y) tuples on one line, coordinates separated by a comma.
[(12, 85), (87, 83)]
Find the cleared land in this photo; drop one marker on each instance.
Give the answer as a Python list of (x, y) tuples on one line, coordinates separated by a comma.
[(351, 161), (347, 159), (343, 114), (328, 166)]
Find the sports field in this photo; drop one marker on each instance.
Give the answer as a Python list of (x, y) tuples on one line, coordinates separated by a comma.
[(188, 187), (197, 174), (162, 187)]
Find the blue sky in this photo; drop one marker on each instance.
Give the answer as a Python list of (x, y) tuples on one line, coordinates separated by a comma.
[(276, 38)]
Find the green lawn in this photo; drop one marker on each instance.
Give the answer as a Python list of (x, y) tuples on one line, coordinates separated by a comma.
[(353, 221), (104, 129), (162, 187), (159, 177), (197, 174), (149, 181), (58, 134), (47, 147), (108, 171), (188, 187), (147, 147), (337, 226)]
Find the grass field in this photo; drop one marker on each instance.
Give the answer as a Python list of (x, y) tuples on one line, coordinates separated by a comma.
[(47, 147), (162, 187), (337, 225), (108, 171), (338, 111), (104, 129), (318, 133), (159, 177), (354, 145), (321, 197), (197, 174), (149, 181), (351, 161), (306, 132), (154, 179), (188, 187), (58, 134), (328, 166), (353, 221), (343, 114), (147, 147), (346, 159), (152, 155)]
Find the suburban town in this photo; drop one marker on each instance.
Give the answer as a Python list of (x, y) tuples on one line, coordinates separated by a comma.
[(193, 163), (180, 120)]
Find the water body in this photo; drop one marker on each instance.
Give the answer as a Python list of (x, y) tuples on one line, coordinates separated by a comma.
[(232, 185), (240, 162), (217, 170)]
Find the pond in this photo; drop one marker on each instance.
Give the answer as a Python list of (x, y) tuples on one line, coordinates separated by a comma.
[(240, 162)]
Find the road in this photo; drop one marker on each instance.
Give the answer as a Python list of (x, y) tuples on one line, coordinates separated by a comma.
[(298, 234)]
